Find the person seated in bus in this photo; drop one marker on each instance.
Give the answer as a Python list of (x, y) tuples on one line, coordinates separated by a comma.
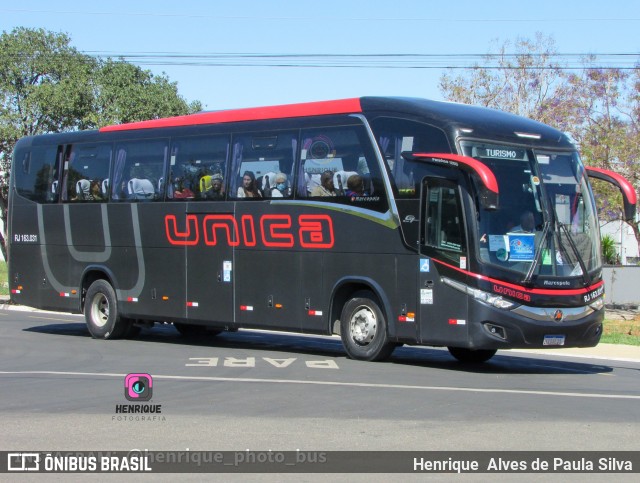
[(355, 186), (281, 188), (181, 190), (215, 190), (327, 187), (249, 188), (95, 192), (527, 224)]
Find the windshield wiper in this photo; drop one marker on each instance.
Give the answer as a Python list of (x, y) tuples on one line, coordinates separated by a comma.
[(576, 252), (536, 258)]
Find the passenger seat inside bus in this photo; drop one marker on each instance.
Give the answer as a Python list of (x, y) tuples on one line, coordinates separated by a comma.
[(83, 189), (141, 189), (105, 188), (268, 182), (340, 180)]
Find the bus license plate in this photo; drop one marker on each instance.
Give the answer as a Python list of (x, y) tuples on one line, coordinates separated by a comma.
[(553, 340)]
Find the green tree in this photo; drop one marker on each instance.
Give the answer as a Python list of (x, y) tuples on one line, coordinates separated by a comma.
[(127, 93), (609, 253), (46, 85)]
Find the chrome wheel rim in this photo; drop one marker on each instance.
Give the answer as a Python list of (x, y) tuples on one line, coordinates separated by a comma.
[(363, 325), (100, 310)]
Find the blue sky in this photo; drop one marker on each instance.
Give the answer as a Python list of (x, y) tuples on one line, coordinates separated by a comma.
[(334, 27)]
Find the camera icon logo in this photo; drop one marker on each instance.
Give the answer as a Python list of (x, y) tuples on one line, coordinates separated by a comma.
[(138, 387)]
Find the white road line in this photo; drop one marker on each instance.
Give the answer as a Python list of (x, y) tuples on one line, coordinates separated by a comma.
[(338, 383)]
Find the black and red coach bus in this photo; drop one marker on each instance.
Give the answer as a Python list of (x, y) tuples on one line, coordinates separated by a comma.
[(385, 220)]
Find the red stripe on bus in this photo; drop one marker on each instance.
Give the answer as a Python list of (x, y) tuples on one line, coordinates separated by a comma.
[(536, 291), (321, 108)]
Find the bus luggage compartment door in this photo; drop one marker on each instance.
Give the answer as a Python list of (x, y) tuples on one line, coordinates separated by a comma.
[(210, 266)]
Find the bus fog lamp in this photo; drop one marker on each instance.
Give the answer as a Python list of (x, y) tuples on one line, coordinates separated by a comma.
[(496, 331)]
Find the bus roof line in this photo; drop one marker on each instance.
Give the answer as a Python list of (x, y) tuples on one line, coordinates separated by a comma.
[(321, 108)]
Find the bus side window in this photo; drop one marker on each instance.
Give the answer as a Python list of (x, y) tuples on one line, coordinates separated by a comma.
[(261, 162), (138, 170), (347, 153), (197, 168), (395, 136), (36, 178), (86, 168), (444, 223)]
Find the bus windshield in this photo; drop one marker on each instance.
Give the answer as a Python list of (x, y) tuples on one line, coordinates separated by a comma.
[(546, 224)]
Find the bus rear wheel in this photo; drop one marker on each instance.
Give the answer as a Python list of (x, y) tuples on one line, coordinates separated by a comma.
[(470, 355), (101, 312), (363, 329)]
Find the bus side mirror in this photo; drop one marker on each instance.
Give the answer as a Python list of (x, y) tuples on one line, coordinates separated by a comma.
[(483, 176), (629, 198)]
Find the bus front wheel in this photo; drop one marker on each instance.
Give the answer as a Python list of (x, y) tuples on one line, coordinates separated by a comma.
[(470, 355), (101, 312), (363, 329)]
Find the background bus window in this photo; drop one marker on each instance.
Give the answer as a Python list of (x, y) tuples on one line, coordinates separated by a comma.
[(444, 229), (197, 168), (395, 136), (87, 172), (346, 153), (263, 157), (139, 170), (36, 174)]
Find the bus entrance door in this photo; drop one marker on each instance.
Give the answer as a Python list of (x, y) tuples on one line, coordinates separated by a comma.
[(443, 262), (209, 266)]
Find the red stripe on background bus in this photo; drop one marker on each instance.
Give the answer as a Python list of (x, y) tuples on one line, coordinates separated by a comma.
[(274, 231)]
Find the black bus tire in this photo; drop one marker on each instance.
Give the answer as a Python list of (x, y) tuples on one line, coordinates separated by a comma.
[(363, 329), (101, 312), (472, 356)]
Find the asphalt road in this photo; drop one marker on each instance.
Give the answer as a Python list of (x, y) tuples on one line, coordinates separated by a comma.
[(258, 390)]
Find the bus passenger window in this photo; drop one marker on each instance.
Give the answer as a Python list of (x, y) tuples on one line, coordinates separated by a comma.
[(87, 168), (138, 170), (197, 168), (38, 178), (396, 136), (339, 164), (262, 165)]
